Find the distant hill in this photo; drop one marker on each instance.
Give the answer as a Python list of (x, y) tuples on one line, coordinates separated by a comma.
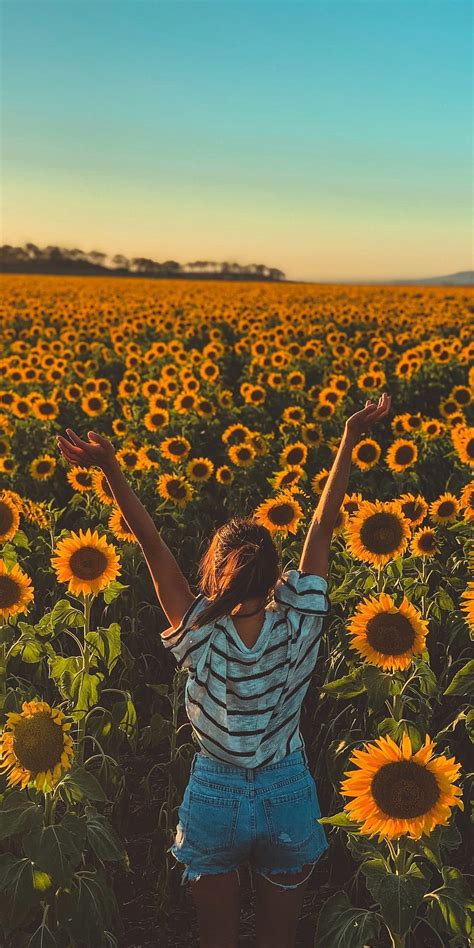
[(463, 278), (58, 260)]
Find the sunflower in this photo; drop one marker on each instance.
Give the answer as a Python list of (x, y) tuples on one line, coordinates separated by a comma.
[(387, 635), (445, 509), (120, 527), (401, 454), (80, 478), (243, 455), (467, 603), (16, 590), (397, 792), (463, 440), (199, 469), (102, 488), (224, 474), (352, 502), (175, 448), (288, 478), (378, 532), (424, 542), (86, 562), (35, 746), (466, 501), (432, 428), (413, 508), (93, 405), (295, 453), (366, 453), (281, 513), (9, 518), (43, 467), (341, 522), (175, 488), (156, 418), (319, 480)]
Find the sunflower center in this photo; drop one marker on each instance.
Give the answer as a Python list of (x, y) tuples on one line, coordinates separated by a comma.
[(446, 508), (43, 466), (411, 509), (176, 489), (9, 592), (200, 470), (367, 452), (38, 742), (404, 454), (426, 542), (295, 456), (390, 633), (6, 518), (88, 562), (281, 514), (470, 448), (381, 533), (405, 790), (83, 478)]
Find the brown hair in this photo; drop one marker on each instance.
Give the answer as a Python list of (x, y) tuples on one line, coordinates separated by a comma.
[(241, 562)]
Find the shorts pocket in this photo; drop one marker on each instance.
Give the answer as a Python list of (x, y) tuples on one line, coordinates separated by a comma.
[(210, 821), (291, 817)]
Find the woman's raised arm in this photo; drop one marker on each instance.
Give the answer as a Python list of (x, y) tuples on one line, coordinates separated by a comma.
[(171, 586), (315, 555)]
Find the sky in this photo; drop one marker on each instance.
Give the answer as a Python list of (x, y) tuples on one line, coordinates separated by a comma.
[(331, 138)]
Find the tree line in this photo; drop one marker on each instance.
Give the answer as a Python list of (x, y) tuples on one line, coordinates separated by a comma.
[(32, 259)]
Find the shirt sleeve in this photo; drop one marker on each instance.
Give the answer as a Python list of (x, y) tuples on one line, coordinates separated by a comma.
[(189, 646), (306, 598)]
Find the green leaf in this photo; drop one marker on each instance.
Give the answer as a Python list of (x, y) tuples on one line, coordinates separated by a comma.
[(30, 649), (396, 730), (18, 815), (427, 679), (463, 681), (79, 784), (16, 881), (125, 717), (377, 684), (349, 686), (445, 601), (342, 820), (442, 838), (340, 925), (9, 556), (57, 849), (66, 616), (76, 684), (451, 907), (102, 837), (113, 590), (21, 540), (105, 644), (399, 895), (86, 909)]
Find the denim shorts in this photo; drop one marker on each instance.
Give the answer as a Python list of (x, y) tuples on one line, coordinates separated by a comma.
[(267, 816)]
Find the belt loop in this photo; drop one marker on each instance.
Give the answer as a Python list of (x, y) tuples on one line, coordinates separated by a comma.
[(193, 764), (305, 756)]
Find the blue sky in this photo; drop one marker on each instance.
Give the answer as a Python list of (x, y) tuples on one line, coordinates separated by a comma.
[(329, 138)]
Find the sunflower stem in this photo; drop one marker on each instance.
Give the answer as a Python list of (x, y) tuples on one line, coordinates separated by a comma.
[(81, 728), (380, 581), (48, 809)]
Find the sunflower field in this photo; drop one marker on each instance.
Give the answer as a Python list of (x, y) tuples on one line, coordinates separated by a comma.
[(222, 399)]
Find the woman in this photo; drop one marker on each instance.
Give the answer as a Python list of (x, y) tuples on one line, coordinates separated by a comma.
[(249, 640)]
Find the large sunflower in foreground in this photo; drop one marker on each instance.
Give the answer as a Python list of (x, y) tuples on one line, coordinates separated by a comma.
[(280, 513), (467, 603), (397, 792), (378, 532), (16, 591), (387, 635), (86, 561), (35, 746)]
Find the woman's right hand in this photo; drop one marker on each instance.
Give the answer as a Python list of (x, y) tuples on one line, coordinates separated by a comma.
[(371, 414), (98, 451)]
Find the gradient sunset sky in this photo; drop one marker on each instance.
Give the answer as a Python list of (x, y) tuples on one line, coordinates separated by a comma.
[(330, 138)]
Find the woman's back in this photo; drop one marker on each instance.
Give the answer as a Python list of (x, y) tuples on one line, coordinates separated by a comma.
[(244, 698)]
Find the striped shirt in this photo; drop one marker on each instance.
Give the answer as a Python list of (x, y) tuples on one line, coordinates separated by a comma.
[(244, 704)]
